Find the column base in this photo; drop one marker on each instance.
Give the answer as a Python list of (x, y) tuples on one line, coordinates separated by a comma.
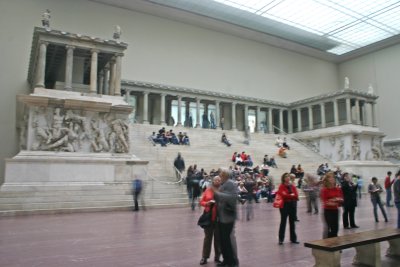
[(163, 123), (198, 126), (179, 124), (145, 122)]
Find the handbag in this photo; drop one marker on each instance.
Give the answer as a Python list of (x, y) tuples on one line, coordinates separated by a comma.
[(278, 202), (205, 219)]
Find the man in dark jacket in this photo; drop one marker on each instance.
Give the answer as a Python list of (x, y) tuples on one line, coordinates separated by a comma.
[(179, 165), (349, 190), (226, 199)]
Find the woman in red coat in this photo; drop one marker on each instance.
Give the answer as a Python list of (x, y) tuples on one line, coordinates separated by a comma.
[(208, 202), (290, 196), (331, 200)]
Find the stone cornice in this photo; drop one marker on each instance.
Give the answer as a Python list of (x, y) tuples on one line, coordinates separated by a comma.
[(223, 97), (203, 94)]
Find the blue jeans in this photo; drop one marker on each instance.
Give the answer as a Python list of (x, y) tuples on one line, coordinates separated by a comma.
[(388, 196), (375, 203), (398, 214)]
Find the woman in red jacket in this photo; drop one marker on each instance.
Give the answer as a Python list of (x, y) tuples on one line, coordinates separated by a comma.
[(290, 196), (331, 199), (208, 202)]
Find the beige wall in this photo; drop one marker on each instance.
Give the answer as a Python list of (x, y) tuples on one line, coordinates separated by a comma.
[(382, 70), (160, 51)]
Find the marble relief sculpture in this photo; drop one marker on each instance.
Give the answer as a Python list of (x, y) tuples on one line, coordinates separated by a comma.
[(376, 148), (75, 132), (341, 150), (346, 83), (356, 151)]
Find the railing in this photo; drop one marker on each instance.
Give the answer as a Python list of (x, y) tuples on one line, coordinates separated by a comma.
[(303, 144)]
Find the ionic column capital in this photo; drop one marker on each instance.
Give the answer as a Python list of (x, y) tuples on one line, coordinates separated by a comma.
[(70, 47)]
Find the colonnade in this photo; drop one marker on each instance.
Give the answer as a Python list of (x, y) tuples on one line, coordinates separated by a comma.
[(106, 81), (325, 112)]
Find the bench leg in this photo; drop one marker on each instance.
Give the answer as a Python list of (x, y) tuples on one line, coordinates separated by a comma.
[(369, 255), (394, 248), (326, 258)]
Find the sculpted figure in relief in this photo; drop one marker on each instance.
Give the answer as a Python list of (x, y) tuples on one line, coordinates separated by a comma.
[(99, 142), (376, 148), (356, 148), (119, 136), (341, 150)]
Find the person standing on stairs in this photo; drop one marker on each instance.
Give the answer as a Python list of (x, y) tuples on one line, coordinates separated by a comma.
[(179, 165)]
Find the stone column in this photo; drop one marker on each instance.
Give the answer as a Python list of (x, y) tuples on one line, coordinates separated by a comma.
[(111, 86), (41, 64), (100, 82), (310, 118), (323, 119), (290, 121), (118, 67), (233, 116), (280, 120), (93, 72), (357, 107), (69, 62), (258, 111), (335, 112), (162, 118), (270, 122), (145, 107), (198, 125), (373, 114), (179, 123), (246, 117), (217, 115), (299, 120), (348, 111), (105, 80)]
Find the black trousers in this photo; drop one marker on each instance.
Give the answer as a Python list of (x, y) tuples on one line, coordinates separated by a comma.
[(288, 210), (332, 222), (228, 252), (135, 200), (348, 214)]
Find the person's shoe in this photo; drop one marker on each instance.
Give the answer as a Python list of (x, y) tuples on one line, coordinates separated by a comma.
[(347, 227), (297, 220), (222, 264), (316, 212), (203, 261), (295, 242), (386, 220), (280, 243), (355, 226), (217, 260)]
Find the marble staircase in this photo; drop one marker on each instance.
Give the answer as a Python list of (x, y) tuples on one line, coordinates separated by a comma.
[(161, 187)]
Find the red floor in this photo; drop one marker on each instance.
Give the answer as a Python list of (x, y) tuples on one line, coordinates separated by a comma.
[(167, 237)]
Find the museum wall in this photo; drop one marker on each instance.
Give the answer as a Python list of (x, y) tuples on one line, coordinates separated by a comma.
[(160, 51), (381, 69)]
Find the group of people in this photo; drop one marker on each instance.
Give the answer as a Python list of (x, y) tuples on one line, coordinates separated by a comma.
[(164, 137), (242, 159)]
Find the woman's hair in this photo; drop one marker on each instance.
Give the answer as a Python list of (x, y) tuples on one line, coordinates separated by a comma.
[(284, 176), (398, 173), (326, 181)]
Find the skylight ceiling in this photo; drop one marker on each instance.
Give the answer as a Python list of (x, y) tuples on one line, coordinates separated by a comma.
[(333, 26)]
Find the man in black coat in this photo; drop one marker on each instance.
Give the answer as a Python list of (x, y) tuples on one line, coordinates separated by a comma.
[(179, 165), (349, 190)]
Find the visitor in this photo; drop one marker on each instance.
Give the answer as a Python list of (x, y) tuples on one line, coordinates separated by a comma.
[(396, 193), (388, 187), (290, 196), (331, 199), (225, 140), (375, 189), (179, 165), (226, 198), (349, 190), (208, 202)]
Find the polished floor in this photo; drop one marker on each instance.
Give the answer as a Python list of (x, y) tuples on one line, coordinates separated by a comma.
[(165, 237)]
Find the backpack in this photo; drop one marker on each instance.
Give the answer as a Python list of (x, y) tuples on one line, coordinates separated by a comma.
[(137, 185)]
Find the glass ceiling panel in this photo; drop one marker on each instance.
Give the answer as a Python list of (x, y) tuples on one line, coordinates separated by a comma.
[(334, 26), (354, 23)]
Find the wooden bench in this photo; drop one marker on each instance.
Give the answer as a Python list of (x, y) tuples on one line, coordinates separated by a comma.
[(367, 244)]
